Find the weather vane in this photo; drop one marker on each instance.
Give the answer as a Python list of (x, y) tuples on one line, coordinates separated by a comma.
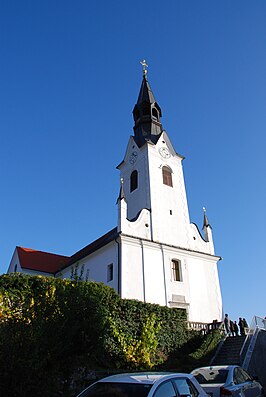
[(144, 66)]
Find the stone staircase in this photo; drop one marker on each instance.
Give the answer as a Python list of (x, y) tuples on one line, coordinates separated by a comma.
[(229, 352)]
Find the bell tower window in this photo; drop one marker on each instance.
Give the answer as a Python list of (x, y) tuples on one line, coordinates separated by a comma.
[(167, 176), (155, 113), (133, 181)]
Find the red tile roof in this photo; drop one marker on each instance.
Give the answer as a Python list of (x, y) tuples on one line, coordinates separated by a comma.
[(41, 261)]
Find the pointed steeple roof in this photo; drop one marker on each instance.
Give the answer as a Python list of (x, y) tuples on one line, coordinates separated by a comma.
[(121, 192), (146, 114), (145, 93), (205, 219)]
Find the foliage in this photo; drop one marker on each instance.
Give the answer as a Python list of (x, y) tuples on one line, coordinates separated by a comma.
[(140, 352), (208, 345), (196, 352), (48, 327), (54, 332)]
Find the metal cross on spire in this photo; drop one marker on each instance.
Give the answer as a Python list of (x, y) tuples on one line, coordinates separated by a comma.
[(144, 66)]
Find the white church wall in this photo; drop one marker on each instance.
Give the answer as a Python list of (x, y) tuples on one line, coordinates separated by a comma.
[(149, 277), (140, 197), (154, 274), (205, 295), (143, 271), (177, 291), (37, 273), (141, 227), (132, 282), (95, 266), (170, 218), (15, 263), (197, 243)]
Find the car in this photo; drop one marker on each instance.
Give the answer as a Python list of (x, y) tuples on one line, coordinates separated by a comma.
[(146, 384), (227, 380)]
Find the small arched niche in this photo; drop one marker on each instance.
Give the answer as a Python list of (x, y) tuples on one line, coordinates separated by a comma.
[(133, 180)]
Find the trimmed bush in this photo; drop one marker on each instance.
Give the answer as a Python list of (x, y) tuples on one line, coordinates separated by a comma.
[(54, 332)]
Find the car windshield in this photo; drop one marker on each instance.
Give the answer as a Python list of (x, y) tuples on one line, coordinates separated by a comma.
[(111, 389), (204, 376)]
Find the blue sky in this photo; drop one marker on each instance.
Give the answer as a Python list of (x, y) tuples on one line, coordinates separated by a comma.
[(69, 79)]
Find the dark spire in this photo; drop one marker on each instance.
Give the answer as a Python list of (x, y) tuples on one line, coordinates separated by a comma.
[(205, 220), (145, 94), (146, 114), (121, 192)]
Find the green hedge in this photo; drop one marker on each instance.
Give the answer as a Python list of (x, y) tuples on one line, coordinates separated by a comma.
[(55, 332)]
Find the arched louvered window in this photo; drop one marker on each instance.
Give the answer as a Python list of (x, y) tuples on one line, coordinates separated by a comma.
[(133, 181), (176, 270), (167, 176), (155, 113)]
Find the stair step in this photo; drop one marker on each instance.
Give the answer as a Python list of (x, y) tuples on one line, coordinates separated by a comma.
[(230, 351)]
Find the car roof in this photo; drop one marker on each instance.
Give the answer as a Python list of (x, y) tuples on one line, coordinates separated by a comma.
[(143, 377), (215, 367)]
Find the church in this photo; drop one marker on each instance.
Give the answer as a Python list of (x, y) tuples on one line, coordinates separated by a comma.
[(154, 254)]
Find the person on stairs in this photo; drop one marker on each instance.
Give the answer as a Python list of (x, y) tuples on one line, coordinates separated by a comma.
[(236, 330), (246, 329), (241, 326), (227, 324)]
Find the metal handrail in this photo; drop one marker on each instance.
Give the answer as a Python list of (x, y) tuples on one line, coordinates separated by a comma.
[(257, 323)]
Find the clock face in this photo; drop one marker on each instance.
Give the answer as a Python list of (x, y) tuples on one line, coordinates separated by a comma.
[(164, 152), (133, 157)]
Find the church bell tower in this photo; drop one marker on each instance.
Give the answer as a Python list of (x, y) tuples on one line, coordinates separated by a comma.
[(164, 257), (152, 176)]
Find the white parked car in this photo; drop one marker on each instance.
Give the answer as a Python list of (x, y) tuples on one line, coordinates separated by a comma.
[(146, 384), (227, 380)]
